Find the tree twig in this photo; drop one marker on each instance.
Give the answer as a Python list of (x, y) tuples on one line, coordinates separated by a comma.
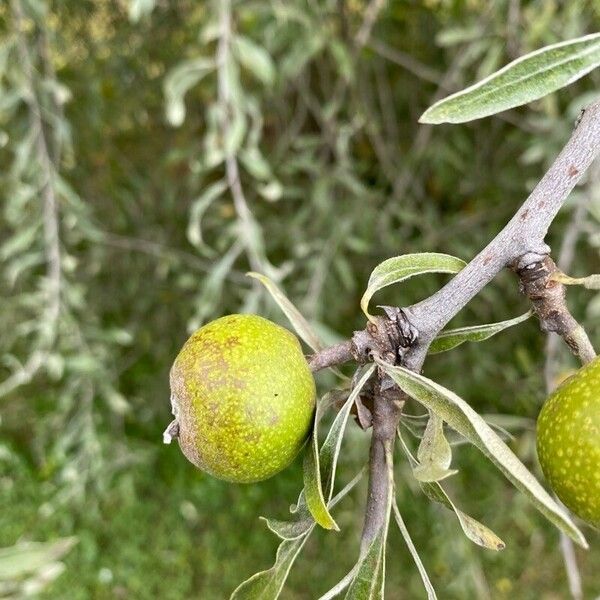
[(519, 244)]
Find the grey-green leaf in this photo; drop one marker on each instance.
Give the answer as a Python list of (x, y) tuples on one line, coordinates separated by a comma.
[(591, 282), (413, 551), (434, 453), (290, 530), (528, 78), (177, 83), (254, 58), (473, 529), (398, 268), (199, 207), (313, 490), (16, 561), (461, 417), (299, 323), (450, 339), (477, 532), (267, 585), (368, 580)]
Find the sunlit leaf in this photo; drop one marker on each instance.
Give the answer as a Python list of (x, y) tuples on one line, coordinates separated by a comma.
[(473, 529), (290, 530), (199, 207), (367, 583), (138, 9), (434, 453), (179, 81), (18, 560), (413, 551), (450, 339), (477, 532), (255, 58), (299, 323), (267, 585), (526, 79), (461, 417), (313, 490), (397, 269)]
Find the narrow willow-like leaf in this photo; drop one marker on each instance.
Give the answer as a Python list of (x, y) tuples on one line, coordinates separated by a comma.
[(313, 489), (461, 417), (177, 83), (290, 530), (16, 561), (434, 453), (369, 581), (450, 339), (477, 532), (267, 585), (299, 323), (591, 282), (398, 268), (365, 584), (199, 207), (254, 58), (526, 79), (413, 551), (328, 457), (330, 449), (474, 530)]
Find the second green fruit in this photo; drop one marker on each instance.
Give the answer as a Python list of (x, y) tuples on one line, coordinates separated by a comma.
[(568, 442)]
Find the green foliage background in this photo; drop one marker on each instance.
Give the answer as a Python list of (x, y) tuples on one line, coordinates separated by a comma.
[(338, 176)]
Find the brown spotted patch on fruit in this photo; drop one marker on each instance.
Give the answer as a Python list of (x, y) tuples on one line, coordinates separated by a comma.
[(568, 442), (243, 397)]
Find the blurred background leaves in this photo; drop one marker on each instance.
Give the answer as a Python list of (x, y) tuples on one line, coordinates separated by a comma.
[(153, 152)]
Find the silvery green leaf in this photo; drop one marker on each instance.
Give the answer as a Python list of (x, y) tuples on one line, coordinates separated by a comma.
[(290, 530), (528, 78), (477, 532), (18, 560), (591, 282), (461, 417), (177, 83), (434, 453), (254, 58), (236, 130), (255, 163), (473, 529), (199, 207), (330, 449), (299, 323), (397, 269), (313, 490), (368, 580), (139, 9), (267, 585), (450, 339), (413, 551)]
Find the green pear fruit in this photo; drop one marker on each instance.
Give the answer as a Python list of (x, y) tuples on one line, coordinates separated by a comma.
[(243, 397), (568, 442)]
